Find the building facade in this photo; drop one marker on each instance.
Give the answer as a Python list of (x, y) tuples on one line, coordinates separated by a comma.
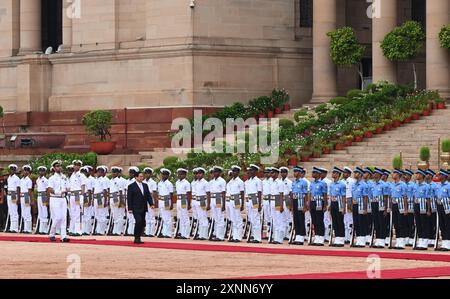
[(116, 54)]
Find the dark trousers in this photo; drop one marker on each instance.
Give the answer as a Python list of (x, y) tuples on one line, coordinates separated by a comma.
[(3, 214), (360, 222), (400, 222), (432, 226), (338, 220), (411, 226), (422, 221), (446, 231), (370, 222), (139, 225), (317, 220), (378, 221), (299, 220), (443, 226)]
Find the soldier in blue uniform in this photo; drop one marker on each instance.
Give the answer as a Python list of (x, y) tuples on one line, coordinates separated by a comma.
[(368, 173), (410, 185), (443, 207), (317, 205), (300, 197), (421, 210), (380, 195), (338, 191), (399, 209), (387, 187), (360, 203), (433, 217)]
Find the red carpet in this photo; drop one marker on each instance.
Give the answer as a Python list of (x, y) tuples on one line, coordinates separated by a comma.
[(385, 274), (247, 249)]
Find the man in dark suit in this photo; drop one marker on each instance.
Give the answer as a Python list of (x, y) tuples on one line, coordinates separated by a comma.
[(138, 197)]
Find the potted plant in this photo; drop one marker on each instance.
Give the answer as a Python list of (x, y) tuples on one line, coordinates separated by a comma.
[(415, 114), (359, 135), (445, 155), (348, 140), (379, 128), (326, 149), (293, 160), (305, 156), (440, 103), (424, 156), (281, 100), (317, 152), (98, 123), (387, 124), (396, 122), (368, 133), (407, 118), (340, 144), (397, 162)]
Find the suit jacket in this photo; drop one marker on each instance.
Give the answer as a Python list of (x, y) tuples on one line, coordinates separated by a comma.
[(137, 202)]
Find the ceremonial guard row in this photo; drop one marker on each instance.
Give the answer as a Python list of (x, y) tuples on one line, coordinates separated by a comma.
[(360, 207)]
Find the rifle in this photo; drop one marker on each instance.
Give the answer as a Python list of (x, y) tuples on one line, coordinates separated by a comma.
[(437, 232)]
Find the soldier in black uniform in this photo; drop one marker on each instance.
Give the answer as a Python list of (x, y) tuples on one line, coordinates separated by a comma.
[(3, 203)]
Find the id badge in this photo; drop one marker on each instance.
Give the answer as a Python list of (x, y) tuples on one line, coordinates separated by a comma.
[(254, 200), (99, 201), (278, 202), (26, 199)]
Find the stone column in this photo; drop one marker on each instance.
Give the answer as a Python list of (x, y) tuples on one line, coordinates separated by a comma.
[(438, 58), (67, 26), (324, 70), (30, 26), (384, 20)]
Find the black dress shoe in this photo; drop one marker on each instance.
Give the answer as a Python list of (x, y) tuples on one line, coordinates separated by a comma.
[(138, 242), (52, 239), (297, 243), (65, 240)]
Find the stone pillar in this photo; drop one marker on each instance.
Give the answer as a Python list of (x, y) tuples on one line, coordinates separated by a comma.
[(324, 70), (30, 26), (438, 58), (383, 21), (67, 26)]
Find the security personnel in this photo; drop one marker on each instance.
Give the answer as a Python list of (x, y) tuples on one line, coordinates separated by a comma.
[(266, 200), (77, 186), (421, 210), (116, 198), (287, 203), (201, 190), (410, 185), (388, 187), (237, 200), (327, 221), (277, 207), (88, 205), (150, 220), (217, 187), (132, 172), (348, 217), (165, 204), (367, 177), (433, 227), (100, 201), (399, 209), (194, 207), (42, 200), (317, 205), (444, 209), (253, 196), (26, 198), (57, 189), (359, 209), (338, 203), (380, 196), (184, 198), (13, 193), (300, 198)]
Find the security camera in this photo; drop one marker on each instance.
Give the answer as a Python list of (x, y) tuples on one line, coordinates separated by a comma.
[(192, 4)]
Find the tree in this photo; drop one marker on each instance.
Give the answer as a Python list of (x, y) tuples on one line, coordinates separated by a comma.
[(403, 43), (98, 123), (444, 36), (345, 50)]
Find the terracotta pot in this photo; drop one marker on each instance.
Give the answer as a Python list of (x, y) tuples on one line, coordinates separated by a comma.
[(103, 148), (304, 158), (407, 120), (348, 143), (270, 114), (396, 123), (387, 127), (440, 106), (368, 134), (415, 116), (339, 146), (278, 110), (379, 130), (359, 138), (262, 115), (426, 112), (317, 155), (286, 107), (293, 161), (326, 151)]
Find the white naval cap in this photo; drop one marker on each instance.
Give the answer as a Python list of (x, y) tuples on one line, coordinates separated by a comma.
[(200, 169), (253, 166), (42, 168), (182, 170), (56, 162), (166, 171), (69, 166), (115, 169), (13, 166), (25, 167), (217, 168), (133, 168), (284, 169), (149, 169), (235, 167), (77, 162), (348, 169)]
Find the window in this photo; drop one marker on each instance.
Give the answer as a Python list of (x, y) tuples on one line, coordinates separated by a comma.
[(418, 11), (306, 13), (52, 30)]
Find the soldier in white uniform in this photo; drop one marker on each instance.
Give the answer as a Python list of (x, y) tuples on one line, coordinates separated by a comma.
[(42, 200), (228, 208), (116, 196), (201, 190), (184, 197), (237, 198), (77, 189), (57, 189), (277, 208), (348, 217), (327, 221), (132, 171), (100, 201), (13, 198), (217, 187), (88, 203), (165, 195), (253, 195), (150, 221), (287, 203), (26, 197), (266, 199)]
